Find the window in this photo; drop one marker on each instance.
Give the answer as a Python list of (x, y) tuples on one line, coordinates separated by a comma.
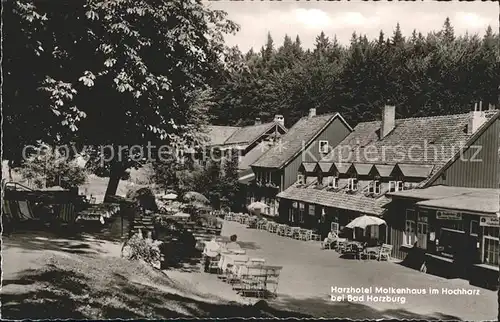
[(396, 186), (490, 251), (300, 179), (312, 210), (490, 245), (353, 184), (302, 207), (422, 230), (334, 227), (333, 182), (323, 146), (474, 227), (291, 215), (409, 235), (375, 187)]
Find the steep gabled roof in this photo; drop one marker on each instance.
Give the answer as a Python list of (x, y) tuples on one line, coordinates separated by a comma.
[(248, 134), (423, 141), (492, 117), (301, 134), (217, 134), (252, 156)]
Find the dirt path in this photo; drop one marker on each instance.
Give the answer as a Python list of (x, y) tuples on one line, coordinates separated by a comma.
[(309, 273), (49, 277)]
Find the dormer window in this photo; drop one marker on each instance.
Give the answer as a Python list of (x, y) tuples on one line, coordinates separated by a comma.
[(323, 146), (333, 182), (396, 186), (352, 184), (375, 187), (300, 179)]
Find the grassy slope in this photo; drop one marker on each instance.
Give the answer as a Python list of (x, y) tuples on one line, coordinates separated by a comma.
[(47, 277)]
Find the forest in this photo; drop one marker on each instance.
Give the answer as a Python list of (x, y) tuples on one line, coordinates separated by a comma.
[(423, 75)]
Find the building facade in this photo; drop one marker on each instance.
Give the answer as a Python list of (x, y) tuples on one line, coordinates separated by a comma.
[(306, 141), (383, 157)]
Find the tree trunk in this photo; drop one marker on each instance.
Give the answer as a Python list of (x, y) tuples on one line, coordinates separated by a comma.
[(116, 172)]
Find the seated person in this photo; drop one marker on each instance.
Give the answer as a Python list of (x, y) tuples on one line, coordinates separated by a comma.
[(330, 239), (233, 245), (211, 250)]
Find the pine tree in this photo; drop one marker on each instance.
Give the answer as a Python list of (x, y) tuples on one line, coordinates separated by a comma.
[(269, 48), (381, 38), (448, 33), (397, 38)]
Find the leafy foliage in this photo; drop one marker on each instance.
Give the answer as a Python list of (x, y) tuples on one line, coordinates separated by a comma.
[(112, 73), (50, 168), (146, 249)]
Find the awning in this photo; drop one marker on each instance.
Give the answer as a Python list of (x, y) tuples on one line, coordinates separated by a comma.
[(246, 178), (485, 203)]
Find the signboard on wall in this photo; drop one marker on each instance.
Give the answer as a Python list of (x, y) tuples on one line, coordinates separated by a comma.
[(489, 221), (441, 215)]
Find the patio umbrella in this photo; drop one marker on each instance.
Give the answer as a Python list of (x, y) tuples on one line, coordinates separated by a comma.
[(193, 196), (365, 221), (170, 196), (181, 215), (257, 205)]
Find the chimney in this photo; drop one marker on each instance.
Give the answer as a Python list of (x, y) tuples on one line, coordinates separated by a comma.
[(476, 119), (278, 118), (258, 121), (312, 112), (388, 120)]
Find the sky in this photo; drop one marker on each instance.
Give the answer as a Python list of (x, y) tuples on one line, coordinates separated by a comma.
[(341, 18)]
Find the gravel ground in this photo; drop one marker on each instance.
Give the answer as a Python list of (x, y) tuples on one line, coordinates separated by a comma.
[(309, 273)]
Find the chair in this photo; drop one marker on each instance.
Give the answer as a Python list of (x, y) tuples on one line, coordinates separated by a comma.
[(326, 244), (315, 236), (252, 280), (289, 231), (272, 279), (214, 264), (370, 253), (385, 252), (341, 246), (306, 235), (67, 213)]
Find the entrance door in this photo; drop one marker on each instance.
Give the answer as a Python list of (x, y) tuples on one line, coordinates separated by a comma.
[(422, 235)]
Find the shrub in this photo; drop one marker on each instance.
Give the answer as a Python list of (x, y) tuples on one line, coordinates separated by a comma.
[(146, 249)]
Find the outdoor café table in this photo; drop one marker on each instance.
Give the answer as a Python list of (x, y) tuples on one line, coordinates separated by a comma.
[(230, 259), (238, 251)]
